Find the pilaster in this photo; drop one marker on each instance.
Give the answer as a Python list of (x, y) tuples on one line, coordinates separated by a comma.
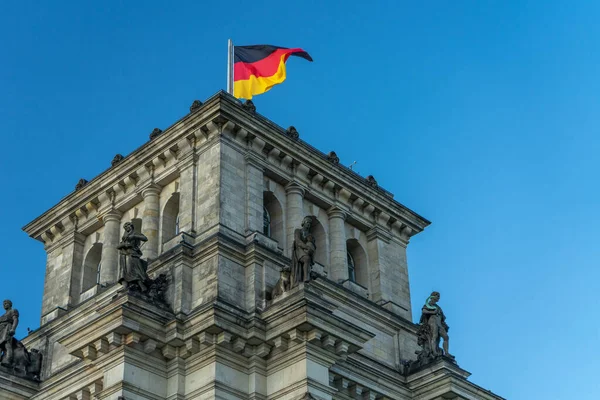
[(254, 194), (188, 182), (73, 257), (376, 241)]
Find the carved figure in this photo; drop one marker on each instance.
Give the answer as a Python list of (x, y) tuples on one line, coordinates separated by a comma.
[(80, 184), (303, 252), (15, 356), (371, 181), (155, 133), (292, 132), (132, 269), (27, 363), (432, 328), (8, 326), (249, 106), (116, 159), (283, 284), (196, 105), (333, 157)]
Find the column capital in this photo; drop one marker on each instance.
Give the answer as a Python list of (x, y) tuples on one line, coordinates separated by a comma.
[(294, 188), (336, 212), (112, 215), (151, 190)]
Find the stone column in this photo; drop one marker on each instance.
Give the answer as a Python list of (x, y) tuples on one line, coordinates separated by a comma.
[(294, 212), (338, 269), (150, 220), (110, 254)]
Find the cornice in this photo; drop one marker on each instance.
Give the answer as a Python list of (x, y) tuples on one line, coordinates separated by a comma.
[(222, 118)]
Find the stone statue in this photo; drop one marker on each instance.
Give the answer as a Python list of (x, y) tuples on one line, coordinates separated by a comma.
[(133, 273), (132, 269), (283, 284), (303, 252), (15, 358), (8, 326), (432, 328)]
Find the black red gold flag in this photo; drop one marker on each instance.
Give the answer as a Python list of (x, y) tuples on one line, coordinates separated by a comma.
[(258, 68)]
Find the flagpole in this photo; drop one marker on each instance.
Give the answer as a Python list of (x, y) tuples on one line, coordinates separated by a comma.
[(230, 67)]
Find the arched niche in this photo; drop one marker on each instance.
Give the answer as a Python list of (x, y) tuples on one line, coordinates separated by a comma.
[(170, 218), (273, 218), (321, 242), (91, 267), (358, 257)]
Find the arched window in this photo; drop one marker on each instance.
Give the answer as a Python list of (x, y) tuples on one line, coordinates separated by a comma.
[(170, 218), (91, 267), (273, 218), (266, 222), (322, 243), (358, 270), (351, 268)]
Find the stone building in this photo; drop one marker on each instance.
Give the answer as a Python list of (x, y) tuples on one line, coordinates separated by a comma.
[(219, 196)]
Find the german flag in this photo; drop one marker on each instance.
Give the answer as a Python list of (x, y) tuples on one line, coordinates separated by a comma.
[(258, 68)]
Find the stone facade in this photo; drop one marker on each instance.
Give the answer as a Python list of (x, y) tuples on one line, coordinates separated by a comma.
[(219, 195)]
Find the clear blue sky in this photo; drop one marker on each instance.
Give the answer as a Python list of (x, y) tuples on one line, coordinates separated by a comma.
[(481, 116)]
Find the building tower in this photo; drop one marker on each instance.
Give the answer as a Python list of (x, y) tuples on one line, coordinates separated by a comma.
[(221, 198)]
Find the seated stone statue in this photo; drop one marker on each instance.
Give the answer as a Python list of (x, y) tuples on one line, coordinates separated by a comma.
[(14, 356), (283, 284)]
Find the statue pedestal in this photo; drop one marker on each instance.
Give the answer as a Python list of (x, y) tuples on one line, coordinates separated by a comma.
[(14, 387)]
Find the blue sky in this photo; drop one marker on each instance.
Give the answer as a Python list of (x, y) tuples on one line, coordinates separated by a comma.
[(479, 115)]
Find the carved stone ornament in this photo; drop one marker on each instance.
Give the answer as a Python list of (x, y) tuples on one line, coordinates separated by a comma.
[(116, 159), (155, 133), (14, 357), (81, 183), (283, 284), (249, 106), (371, 181), (292, 132), (333, 157), (196, 105), (432, 328), (132, 269)]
